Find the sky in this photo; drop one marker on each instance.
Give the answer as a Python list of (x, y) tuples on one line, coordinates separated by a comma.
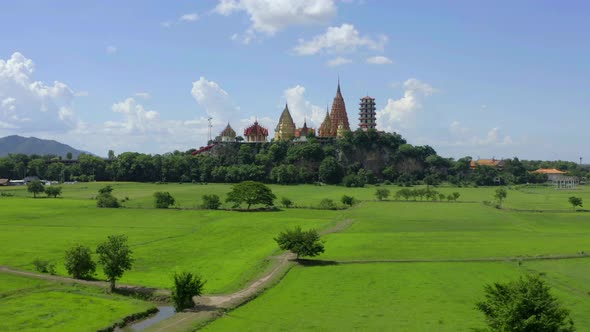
[(483, 79)]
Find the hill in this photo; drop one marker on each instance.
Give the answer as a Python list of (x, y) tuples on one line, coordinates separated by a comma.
[(33, 145)]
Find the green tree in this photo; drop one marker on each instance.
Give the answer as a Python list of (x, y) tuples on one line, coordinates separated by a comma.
[(163, 199), (524, 305), (500, 196), (286, 202), (348, 200), (575, 201), (302, 243), (382, 193), (69, 156), (35, 187), (106, 190), (250, 192), (330, 171), (78, 262), (53, 191), (186, 286), (115, 257), (211, 202)]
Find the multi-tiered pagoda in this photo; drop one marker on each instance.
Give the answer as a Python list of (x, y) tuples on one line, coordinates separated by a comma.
[(338, 122), (285, 129), (367, 113)]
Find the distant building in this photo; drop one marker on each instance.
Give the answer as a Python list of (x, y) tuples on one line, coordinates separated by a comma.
[(367, 114), (326, 126), (495, 163), (256, 133), (4, 182), (285, 129), (228, 134), (302, 132), (552, 173), (337, 118)]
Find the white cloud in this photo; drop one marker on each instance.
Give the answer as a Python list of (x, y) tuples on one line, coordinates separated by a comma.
[(379, 60), (462, 136), (345, 38), (400, 112), (189, 17), (143, 94), (82, 94), (271, 16), (166, 24), (301, 108), (29, 105), (214, 99), (338, 61), (111, 49)]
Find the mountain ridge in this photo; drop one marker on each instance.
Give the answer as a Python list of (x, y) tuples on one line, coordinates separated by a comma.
[(34, 145)]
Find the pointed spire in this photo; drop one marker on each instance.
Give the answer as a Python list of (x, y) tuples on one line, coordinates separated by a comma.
[(338, 91)]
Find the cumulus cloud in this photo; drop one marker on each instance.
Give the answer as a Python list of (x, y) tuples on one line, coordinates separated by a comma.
[(29, 105), (111, 49), (338, 61), (345, 38), (214, 99), (379, 60), (399, 112), (463, 136), (270, 16), (301, 108)]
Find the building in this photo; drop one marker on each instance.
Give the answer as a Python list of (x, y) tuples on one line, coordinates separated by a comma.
[(495, 163), (337, 118), (552, 173), (4, 182), (228, 134), (255, 133), (285, 129), (304, 131), (326, 126), (367, 114)]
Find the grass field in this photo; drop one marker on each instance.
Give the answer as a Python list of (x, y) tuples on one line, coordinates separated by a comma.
[(31, 305), (229, 249)]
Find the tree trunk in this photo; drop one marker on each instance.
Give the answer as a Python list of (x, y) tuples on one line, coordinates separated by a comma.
[(112, 285)]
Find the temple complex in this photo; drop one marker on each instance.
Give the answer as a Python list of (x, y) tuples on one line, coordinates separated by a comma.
[(304, 131), (285, 129), (256, 133), (367, 113), (228, 134)]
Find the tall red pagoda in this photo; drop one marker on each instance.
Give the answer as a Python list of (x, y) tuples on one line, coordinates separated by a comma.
[(338, 114)]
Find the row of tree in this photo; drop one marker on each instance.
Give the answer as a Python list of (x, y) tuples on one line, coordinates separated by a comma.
[(358, 158)]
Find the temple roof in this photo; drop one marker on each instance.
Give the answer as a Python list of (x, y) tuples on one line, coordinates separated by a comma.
[(228, 131), (286, 118), (549, 171), (338, 113), (256, 129)]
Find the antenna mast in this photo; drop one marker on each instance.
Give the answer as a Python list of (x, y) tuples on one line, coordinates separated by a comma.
[(209, 125)]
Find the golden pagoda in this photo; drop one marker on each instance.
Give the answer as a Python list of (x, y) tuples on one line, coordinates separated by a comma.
[(285, 129), (326, 126)]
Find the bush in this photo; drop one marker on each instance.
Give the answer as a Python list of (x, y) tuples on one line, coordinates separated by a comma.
[(186, 285), (575, 201), (353, 180), (78, 262), (211, 202), (44, 266), (107, 201), (163, 199), (105, 190), (327, 204), (382, 193), (53, 191), (287, 203), (348, 200)]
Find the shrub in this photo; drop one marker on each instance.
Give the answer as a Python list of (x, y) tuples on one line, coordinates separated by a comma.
[(287, 203), (107, 201), (348, 200), (186, 285), (382, 193), (44, 266), (105, 190), (163, 199), (353, 180), (211, 202), (327, 204), (53, 191), (78, 262), (575, 201)]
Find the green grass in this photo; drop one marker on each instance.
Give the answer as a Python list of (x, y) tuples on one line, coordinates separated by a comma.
[(380, 297), (423, 230), (226, 248), (31, 305)]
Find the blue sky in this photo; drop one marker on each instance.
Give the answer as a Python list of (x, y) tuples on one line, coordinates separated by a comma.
[(480, 78)]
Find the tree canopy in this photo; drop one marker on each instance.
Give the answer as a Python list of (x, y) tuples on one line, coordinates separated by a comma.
[(250, 193), (115, 257), (300, 242)]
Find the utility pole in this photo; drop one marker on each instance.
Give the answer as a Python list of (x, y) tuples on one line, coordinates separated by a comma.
[(210, 126)]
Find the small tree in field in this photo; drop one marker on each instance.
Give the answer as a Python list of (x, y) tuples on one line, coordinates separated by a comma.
[(186, 286), (211, 202), (78, 262), (163, 199), (105, 190), (115, 257), (35, 187), (105, 198), (302, 243), (53, 191), (287, 203), (250, 192), (575, 201), (524, 305), (382, 193), (348, 200), (500, 196)]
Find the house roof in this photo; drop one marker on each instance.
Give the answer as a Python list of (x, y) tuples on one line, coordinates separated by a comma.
[(549, 171), (487, 162), (4, 181), (256, 129)]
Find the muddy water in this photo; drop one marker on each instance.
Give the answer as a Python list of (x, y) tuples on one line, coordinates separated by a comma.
[(163, 313)]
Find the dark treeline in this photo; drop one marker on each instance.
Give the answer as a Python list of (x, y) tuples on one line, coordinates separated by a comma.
[(358, 158)]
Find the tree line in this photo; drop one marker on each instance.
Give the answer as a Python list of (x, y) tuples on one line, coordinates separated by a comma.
[(357, 159)]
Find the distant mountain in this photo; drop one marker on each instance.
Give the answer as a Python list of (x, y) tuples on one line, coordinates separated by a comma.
[(33, 145)]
